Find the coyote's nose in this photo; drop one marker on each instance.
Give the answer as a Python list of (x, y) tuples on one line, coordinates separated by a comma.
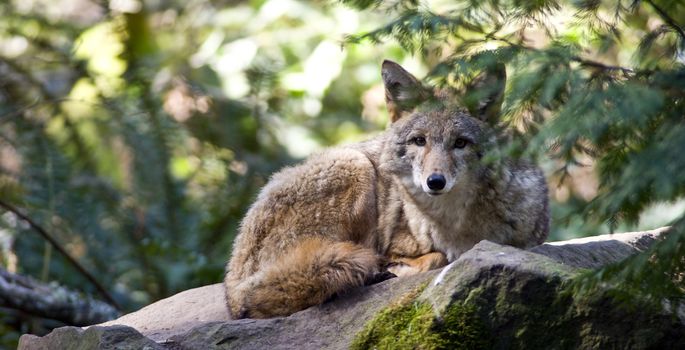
[(436, 182)]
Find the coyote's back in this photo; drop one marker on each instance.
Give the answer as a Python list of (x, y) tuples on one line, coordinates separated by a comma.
[(407, 201), (305, 237)]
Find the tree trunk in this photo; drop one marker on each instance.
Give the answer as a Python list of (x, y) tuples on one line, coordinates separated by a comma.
[(51, 301)]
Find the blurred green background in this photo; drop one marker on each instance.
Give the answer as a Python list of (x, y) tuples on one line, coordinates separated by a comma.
[(138, 133)]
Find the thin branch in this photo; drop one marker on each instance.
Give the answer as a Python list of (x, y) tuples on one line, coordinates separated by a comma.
[(670, 21), (578, 59), (36, 227), (18, 112), (595, 64), (36, 103)]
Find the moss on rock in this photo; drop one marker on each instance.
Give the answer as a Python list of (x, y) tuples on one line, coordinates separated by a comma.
[(413, 324)]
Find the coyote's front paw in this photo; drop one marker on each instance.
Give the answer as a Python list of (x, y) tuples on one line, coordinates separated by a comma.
[(404, 266), (401, 269)]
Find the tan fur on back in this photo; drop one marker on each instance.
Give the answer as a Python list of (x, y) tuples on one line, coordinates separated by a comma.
[(347, 214)]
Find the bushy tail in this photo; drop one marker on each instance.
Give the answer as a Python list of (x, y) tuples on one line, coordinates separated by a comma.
[(307, 275)]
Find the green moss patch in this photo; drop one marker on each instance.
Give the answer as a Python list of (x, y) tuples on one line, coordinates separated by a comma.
[(412, 324)]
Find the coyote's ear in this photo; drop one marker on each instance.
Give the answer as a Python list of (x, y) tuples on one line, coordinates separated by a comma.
[(485, 93), (403, 91)]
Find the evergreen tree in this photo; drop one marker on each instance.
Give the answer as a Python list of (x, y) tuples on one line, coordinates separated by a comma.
[(598, 79)]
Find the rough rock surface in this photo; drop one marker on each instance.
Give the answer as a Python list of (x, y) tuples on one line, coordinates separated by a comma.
[(177, 314), (493, 296)]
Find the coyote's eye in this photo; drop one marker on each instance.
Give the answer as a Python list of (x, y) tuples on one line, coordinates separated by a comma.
[(419, 141), (461, 142)]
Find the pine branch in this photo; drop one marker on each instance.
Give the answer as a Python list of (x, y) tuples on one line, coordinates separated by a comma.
[(670, 21), (50, 301), (46, 95), (578, 59), (36, 227)]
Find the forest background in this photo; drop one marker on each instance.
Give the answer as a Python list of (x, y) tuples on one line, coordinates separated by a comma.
[(135, 134)]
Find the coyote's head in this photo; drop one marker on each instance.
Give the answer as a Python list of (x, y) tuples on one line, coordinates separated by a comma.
[(436, 140)]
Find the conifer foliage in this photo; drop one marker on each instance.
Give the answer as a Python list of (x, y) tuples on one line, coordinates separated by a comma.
[(135, 134), (598, 79)]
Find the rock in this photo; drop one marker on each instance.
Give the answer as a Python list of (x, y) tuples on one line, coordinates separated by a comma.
[(493, 296), (75, 338), (518, 299), (597, 251), (178, 313)]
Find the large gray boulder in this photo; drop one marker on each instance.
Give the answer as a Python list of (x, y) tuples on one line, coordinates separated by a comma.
[(493, 296)]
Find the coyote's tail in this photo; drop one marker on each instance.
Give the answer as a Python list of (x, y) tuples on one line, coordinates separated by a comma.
[(308, 274)]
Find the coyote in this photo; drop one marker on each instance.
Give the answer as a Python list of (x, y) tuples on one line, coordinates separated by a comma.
[(409, 200)]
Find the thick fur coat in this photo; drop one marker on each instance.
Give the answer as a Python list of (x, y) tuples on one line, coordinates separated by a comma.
[(410, 200)]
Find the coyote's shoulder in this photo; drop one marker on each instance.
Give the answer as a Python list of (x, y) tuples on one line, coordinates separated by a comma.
[(411, 199)]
